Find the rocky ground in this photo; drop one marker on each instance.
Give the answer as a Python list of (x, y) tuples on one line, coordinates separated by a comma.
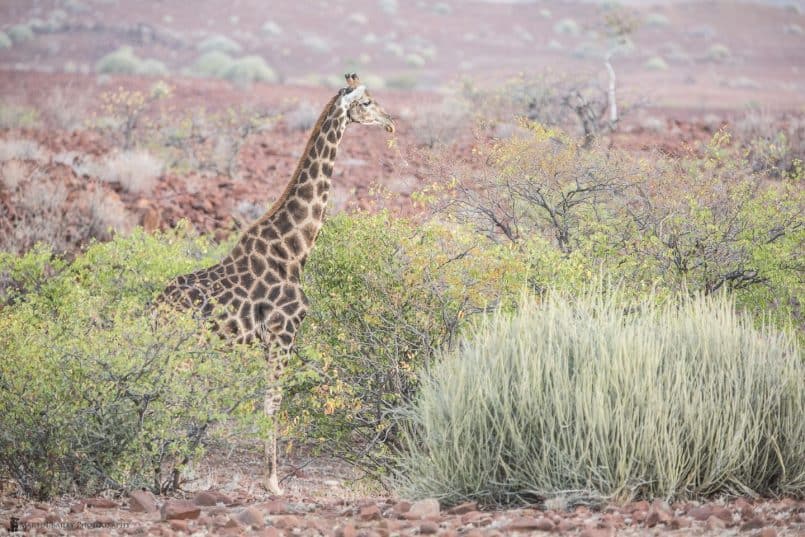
[(325, 497)]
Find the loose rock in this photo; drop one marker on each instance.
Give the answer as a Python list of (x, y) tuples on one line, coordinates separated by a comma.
[(423, 509), (179, 510), (142, 501)]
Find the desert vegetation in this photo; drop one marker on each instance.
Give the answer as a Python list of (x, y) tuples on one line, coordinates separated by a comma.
[(542, 292)]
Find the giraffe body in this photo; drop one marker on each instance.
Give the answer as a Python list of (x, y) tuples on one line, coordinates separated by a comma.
[(256, 290)]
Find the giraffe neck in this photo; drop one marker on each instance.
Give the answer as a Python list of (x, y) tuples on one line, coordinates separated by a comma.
[(287, 232)]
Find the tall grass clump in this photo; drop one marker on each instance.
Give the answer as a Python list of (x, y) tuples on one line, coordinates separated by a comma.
[(591, 398)]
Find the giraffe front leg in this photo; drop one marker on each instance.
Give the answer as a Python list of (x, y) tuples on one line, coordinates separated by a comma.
[(271, 406)]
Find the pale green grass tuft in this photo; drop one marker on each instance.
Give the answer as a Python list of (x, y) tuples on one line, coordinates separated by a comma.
[(250, 69), (586, 398), (5, 41)]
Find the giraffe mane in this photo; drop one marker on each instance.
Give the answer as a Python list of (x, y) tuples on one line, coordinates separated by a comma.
[(287, 192)]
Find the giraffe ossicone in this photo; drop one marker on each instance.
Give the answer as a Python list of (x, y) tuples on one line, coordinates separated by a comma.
[(256, 290)]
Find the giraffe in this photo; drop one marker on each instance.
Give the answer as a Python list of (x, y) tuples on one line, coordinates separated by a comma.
[(256, 290)]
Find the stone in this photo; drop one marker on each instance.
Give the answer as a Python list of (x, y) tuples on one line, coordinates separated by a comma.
[(401, 507), (78, 507), (348, 530), (463, 508), (251, 516), (287, 522), (211, 498), (768, 532), (658, 516), (598, 532), (179, 525), (471, 517), (370, 512), (715, 523), (423, 509), (142, 501), (428, 528), (530, 524), (706, 511), (679, 523), (101, 503), (753, 524), (275, 507), (179, 510), (52, 518)]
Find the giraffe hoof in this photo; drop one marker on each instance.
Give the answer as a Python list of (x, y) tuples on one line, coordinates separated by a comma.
[(273, 486)]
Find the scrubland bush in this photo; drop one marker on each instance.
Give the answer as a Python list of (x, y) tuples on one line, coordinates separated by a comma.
[(212, 64), (21, 149), (271, 28), (136, 171), (302, 117), (97, 392), (124, 61), (441, 123), (718, 53), (250, 69), (5, 41), (385, 295), (656, 63), (775, 143), (701, 223), (19, 33), (17, 116), (567, 27), (219, 43), (657, 19), (591, 396)]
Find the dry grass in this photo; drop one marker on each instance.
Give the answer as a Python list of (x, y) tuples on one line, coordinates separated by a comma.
[(21, 149), (136, 171)]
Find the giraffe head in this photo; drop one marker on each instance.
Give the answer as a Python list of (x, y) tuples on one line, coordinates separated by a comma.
[(361, 107)]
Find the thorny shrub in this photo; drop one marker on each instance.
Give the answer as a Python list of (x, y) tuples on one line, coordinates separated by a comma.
[(96, 392)]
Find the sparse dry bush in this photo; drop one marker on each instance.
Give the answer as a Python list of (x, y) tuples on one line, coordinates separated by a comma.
[(21, 149), (13, 173), (718, 53), (656, 63), (14, 115), (567, 26), (302, 117), (135, 171), (19, 33), (219, 43), (442, 123), (109, 215), (775, 143), (250, 69)]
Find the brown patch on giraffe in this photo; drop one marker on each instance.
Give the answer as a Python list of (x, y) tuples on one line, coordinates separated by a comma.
[(314, 169), (278, 250), (309, 233), (305, 192), (319, 148), (322, 187), (327, 169), (331, 137), (283, 223), (317, 210), (259, 291), (297, 211), (293, 244), (257, 264)]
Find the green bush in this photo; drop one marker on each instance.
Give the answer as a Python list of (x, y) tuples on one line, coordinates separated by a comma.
[(124, 61), (5, 41), (95, 391), (20, 33), (385, 296), (590, 397), (250, 69), (219, 43), (212, 64)]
